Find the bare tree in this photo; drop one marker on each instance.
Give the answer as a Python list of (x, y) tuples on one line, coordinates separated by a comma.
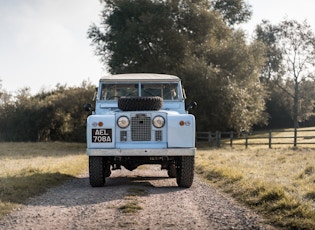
[(297, 44)]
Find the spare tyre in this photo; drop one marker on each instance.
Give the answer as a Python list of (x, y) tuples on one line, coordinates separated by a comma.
[(140, 103)]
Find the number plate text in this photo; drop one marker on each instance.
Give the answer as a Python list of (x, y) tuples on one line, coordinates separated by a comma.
[(101, 135)]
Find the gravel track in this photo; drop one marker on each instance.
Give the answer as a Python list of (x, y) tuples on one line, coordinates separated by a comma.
[(76, 205)]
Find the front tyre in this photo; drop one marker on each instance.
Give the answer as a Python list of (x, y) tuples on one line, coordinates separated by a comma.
[(185, 171), (171, 171), (96, 171)]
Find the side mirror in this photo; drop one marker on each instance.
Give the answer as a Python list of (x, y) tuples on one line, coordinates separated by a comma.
[(192, 105), (88, 107)]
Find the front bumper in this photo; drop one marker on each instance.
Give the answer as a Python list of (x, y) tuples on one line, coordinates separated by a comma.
[(142, 152)]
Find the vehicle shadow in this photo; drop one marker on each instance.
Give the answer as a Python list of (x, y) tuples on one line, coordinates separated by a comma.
[(158, 184), (77, 191)]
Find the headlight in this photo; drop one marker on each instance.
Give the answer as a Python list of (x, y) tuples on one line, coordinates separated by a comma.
[(158, 121), (123, 122)]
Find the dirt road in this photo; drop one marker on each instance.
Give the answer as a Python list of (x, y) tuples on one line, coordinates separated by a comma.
[(157, 201)]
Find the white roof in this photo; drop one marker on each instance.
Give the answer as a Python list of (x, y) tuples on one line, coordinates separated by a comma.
[(140, 77)]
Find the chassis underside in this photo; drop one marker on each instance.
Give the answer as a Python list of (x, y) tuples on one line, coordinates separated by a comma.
[(179, 167)]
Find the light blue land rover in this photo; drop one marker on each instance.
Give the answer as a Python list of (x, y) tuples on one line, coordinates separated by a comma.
[(140, 119)]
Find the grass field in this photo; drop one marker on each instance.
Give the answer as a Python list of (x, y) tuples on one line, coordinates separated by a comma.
[(279, 183), (29, 169)]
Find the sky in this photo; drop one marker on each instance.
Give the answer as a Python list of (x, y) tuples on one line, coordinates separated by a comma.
[(278, 10), (44, 42)]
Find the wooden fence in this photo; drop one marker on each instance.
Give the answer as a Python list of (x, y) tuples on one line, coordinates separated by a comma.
[(271, 138)]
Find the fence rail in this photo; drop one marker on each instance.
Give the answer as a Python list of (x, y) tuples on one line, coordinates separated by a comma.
[(271, 138)]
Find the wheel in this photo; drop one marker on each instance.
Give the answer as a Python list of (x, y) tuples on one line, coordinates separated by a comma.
[(185, 171), (107, 169), (96, 171), (140, 103), (171, 171)]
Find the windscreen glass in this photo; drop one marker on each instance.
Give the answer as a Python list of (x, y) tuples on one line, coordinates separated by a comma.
[(115, 91), (168, 91)]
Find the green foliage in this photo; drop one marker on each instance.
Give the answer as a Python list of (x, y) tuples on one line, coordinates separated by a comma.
[(278, 107), (192, 40), (233, 11), (139, 36), (228, 90), (57, 115)]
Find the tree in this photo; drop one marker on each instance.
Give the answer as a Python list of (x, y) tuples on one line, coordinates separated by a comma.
[(138, 36), (189, 39), (5, 97), (228, 88), (62, 112), (56, 115), (233, 11), (295, 66), (266, 33)]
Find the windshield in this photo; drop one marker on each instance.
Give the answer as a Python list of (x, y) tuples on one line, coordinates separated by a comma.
[(168, 91), (115, 91)]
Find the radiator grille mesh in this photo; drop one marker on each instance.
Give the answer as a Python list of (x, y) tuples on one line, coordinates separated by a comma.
[(141, 128)]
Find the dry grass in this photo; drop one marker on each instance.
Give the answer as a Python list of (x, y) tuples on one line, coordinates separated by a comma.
[(28, 169), (132, 204), (280, 183)]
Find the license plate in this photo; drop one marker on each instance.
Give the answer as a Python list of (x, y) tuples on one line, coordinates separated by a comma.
[(101, 135)]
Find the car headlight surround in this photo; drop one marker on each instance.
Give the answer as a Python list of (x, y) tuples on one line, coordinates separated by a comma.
[(123, 122), (158, 121)]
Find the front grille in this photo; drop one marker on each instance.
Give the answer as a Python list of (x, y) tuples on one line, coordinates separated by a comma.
[(141, 128)]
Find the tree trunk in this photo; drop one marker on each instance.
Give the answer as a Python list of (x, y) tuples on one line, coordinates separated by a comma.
[(296, 110)]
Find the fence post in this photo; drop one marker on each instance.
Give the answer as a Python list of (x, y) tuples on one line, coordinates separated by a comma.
[(270, 137), (218, 138), (231, 139), (246, 140), (210, 138)]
